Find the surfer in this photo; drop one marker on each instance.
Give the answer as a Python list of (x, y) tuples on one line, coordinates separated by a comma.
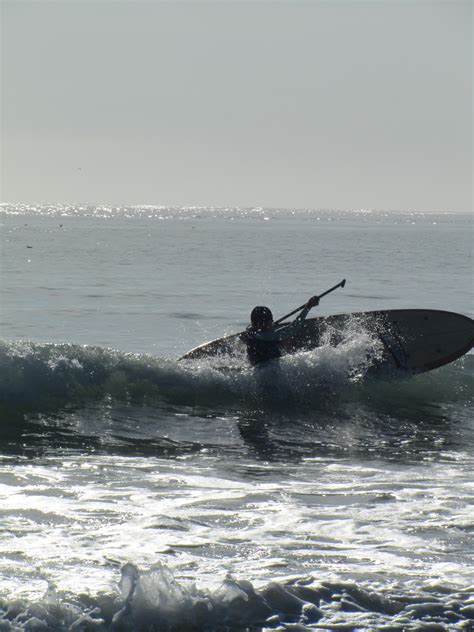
[(263, 338)]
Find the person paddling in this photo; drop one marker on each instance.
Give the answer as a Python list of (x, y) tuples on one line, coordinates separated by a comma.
[(263, 336)]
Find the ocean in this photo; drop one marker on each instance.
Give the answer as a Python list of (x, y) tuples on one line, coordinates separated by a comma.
[(142, 493)]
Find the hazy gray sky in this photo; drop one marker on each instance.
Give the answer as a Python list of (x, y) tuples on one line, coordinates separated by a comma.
[(323, 104)]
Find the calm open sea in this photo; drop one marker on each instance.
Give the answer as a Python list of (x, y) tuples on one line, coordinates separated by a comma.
[(138, 492)]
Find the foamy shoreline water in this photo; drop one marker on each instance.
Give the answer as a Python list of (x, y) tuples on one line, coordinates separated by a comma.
[(153, 600)]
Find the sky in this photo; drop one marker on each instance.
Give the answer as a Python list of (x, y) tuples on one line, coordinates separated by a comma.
[(334, 104)]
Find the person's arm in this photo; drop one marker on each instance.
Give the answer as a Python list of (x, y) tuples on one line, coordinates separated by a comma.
[(313, 302), (277, 335)]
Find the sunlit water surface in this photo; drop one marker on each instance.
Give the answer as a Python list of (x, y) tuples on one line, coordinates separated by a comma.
[(140, 492)]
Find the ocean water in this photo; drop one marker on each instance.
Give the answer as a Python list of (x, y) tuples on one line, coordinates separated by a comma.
[(142, 493)]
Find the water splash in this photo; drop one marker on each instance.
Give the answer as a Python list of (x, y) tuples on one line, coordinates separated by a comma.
[(154, 600)]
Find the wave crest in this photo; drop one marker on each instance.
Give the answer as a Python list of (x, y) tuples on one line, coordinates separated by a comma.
[(34, 376)]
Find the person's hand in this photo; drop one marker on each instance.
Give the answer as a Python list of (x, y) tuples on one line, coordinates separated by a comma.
[(313, 302)]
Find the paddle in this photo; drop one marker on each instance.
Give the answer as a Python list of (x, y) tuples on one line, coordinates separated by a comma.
[(298, 309)]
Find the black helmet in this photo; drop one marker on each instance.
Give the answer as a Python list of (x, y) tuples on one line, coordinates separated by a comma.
[(261, 316)]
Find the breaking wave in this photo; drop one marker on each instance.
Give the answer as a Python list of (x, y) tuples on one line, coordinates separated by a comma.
[(154, 600), (35, 377)]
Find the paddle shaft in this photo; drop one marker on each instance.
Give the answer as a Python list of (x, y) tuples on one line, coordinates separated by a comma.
[(298, 309)]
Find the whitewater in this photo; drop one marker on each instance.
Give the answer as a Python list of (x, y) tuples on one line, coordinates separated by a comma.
[(138, 492)]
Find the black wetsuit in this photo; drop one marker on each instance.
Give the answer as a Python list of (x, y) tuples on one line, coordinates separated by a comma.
[(258, 349), (265, 345)]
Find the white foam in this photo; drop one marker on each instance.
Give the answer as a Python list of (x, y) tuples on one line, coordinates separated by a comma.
[(152, 599)]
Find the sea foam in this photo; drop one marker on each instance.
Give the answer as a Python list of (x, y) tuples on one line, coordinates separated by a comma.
[(153, 600)]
